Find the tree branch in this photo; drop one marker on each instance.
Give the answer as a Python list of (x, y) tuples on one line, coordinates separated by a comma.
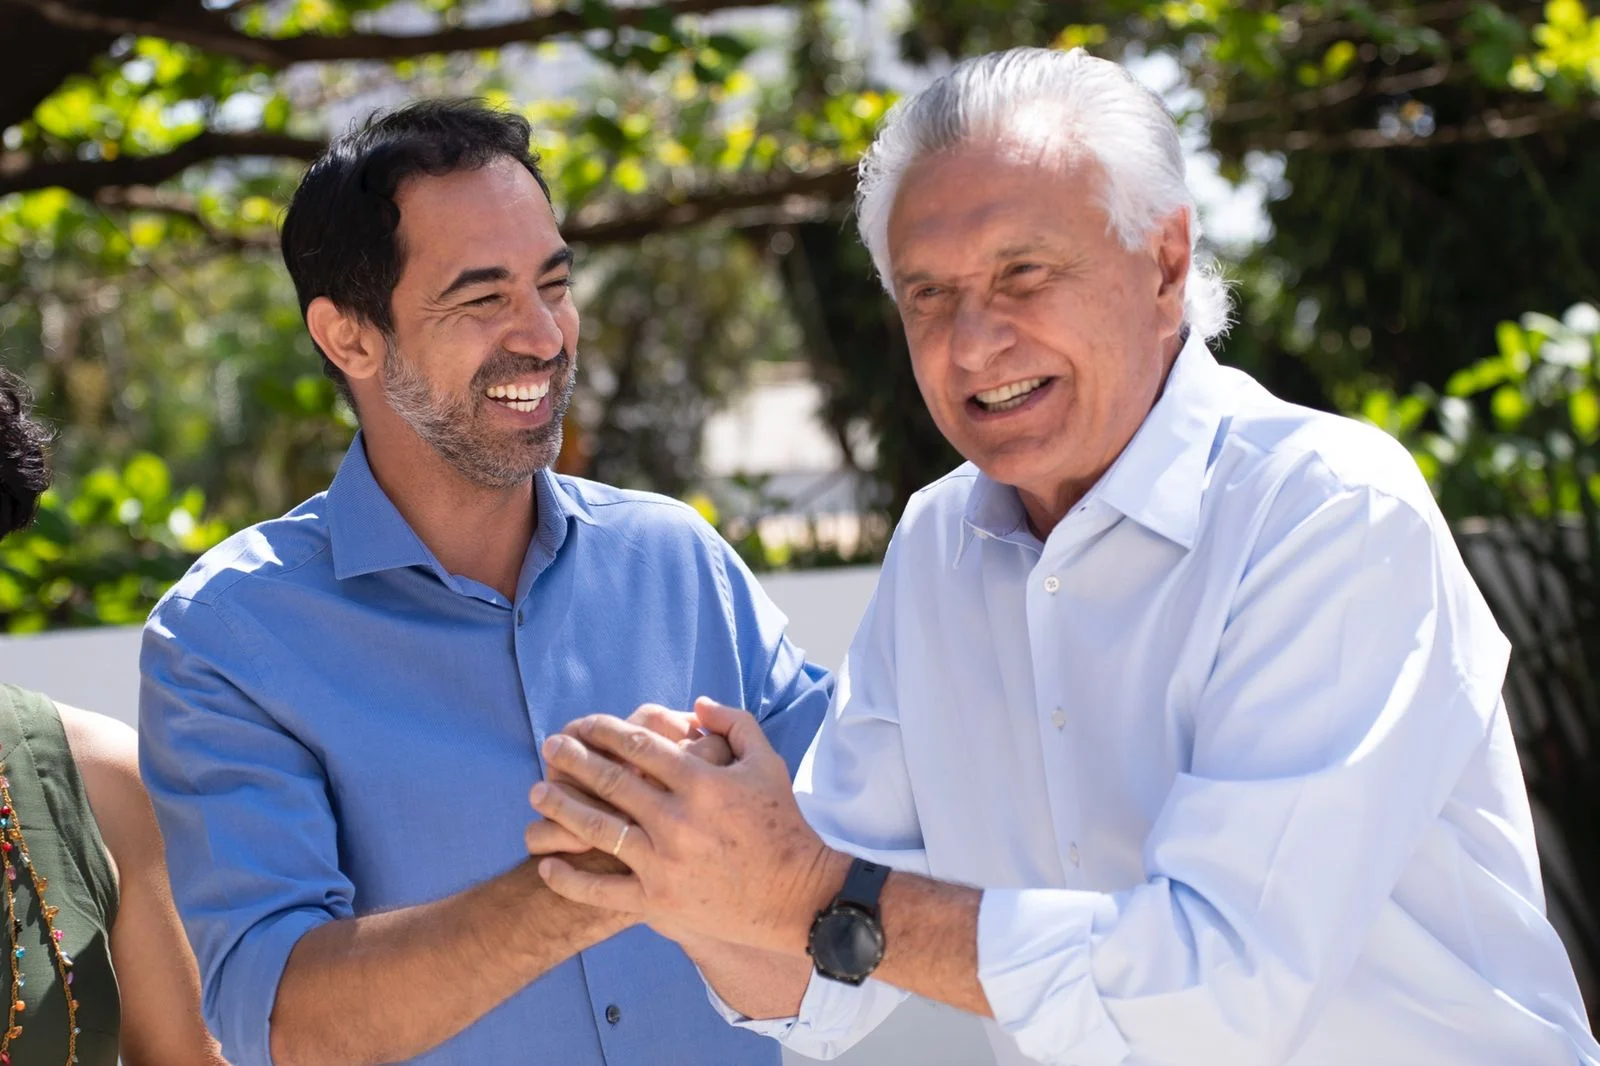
[(30, 72), (1333, 95), (181, 205), (87, 177), (1491, 126), (198, 27), (1314, 33), (783, 191), (778, 197), (205, 30)]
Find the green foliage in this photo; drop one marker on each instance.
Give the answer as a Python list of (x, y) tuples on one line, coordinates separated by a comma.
[(1516, 434), (1566, 61), (1388, 268), (107, 555)]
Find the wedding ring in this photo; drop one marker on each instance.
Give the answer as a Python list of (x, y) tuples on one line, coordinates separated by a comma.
[(620, 838)]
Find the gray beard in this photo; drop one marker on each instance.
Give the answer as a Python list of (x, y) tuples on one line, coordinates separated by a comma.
[(455, 427)]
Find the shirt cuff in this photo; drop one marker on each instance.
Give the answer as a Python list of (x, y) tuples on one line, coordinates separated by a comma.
[(776, 1028), (833, 1016), (239, 1004), (1034, 966)]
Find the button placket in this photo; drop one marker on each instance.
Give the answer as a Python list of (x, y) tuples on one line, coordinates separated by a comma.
[(1051, 681)]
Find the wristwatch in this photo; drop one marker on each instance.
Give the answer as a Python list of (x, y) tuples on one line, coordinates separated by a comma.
[(846, 941)]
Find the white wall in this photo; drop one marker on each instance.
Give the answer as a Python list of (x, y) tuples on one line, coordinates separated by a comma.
[(98, 669)]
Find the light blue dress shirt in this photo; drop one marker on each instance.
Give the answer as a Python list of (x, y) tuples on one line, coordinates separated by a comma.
[(331, 724), (1226, 751)]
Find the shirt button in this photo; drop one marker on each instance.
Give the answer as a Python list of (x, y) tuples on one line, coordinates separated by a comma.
[(1052, 583), (1073, 856), (613, 1014), (522, 616), (1058, 718)]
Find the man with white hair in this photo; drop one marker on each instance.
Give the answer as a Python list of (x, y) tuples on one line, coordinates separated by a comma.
[(1173, 733)]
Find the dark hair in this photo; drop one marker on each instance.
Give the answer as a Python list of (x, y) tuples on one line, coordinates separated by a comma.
[(339, 236), (24, 456)]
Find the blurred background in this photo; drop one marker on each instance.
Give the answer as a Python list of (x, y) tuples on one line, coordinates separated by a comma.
[(1405, 195)]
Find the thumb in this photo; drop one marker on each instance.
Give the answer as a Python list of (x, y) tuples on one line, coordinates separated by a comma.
[(739, 727)]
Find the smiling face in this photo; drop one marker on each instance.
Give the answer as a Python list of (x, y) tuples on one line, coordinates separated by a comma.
[(481, 361), (1038, 341)]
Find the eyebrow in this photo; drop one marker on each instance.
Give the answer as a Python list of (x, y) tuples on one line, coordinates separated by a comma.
[(485, 275), (1017, 251), (473, 276), (1010, 251)]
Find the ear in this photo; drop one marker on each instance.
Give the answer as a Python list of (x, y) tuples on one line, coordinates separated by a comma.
[(356, 348), (1172, 254)]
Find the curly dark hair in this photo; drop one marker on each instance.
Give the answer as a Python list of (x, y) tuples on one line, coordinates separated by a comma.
[(24, 455)]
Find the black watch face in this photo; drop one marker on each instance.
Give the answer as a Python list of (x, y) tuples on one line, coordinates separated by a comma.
[(846, 944)]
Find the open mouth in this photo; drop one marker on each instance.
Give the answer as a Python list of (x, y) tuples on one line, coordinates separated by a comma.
[(1009, 397), (523, 397)]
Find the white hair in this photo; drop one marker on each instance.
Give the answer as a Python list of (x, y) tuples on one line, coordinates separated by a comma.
[(1067, 104)]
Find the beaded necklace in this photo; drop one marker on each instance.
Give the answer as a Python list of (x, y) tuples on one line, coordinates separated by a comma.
[(13, 848)]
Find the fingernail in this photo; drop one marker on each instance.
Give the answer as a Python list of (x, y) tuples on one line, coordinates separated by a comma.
[(555, 744), (545, 866), (540, 791)]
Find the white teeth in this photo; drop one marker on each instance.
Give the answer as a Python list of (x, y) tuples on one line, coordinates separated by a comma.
[(1008, 392), (514, 394)]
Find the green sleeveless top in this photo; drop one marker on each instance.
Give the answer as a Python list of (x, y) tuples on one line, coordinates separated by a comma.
[(64, 843)]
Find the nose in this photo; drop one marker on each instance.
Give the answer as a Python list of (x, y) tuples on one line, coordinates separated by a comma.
[(534, 330), (978, 334)]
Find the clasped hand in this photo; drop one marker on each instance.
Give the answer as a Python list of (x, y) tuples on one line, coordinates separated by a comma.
[(698, 813)]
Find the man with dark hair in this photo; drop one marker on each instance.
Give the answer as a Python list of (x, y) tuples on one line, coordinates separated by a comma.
[(342, 709)]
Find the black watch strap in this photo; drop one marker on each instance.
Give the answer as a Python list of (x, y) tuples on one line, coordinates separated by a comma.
[(862, 885)]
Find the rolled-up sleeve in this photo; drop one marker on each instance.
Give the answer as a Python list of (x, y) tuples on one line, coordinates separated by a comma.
[(1358, 671), (855, 791), (250, 834)]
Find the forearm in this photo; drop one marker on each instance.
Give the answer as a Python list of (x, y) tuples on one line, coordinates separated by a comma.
[(930, 932), (390, 986), (931, 949), (758, 984)]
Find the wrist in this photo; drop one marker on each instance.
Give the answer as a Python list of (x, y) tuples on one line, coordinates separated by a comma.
[(544, 910), (818, 886)]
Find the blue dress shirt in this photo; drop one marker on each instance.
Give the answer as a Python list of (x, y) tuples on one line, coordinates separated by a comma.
[(332, 724)]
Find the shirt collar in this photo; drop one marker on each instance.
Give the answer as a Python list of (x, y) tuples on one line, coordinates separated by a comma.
[(994, 512), (1159, 478), (368, 534)]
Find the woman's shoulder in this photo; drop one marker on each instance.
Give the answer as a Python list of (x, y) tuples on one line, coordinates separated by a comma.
[(110, 746), (106, 753)]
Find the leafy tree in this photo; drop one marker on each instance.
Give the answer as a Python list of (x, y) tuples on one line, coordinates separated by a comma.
[(1423, 142)]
